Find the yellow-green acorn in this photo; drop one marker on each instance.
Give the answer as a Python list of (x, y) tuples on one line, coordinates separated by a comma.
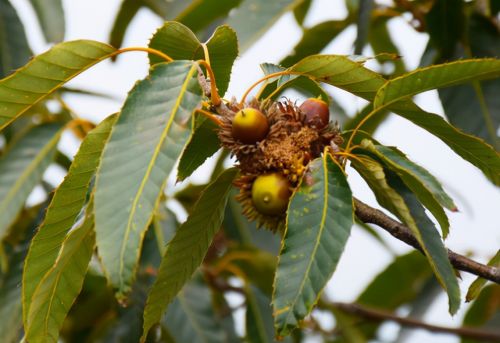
[(316, 112), (250, 126), (270, 194)]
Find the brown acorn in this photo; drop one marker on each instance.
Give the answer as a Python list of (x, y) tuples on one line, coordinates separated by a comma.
[(250, 126), (270, 194), (316, 112)]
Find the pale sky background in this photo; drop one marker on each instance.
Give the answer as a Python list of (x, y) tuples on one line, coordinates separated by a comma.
[(475, 229)]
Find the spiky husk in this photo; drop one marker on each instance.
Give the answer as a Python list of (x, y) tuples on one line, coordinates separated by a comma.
[(287, 149)]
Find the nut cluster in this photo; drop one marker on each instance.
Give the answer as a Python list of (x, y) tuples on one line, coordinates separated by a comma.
[(273, 143)]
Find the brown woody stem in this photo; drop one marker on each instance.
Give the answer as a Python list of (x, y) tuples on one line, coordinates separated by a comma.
[(371, 215), (379, 316)]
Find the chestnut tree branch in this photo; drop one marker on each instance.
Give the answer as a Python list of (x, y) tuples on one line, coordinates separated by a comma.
[(379, 316), (371, 215)]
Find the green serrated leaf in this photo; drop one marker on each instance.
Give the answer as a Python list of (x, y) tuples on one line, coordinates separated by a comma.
[(180, 43), (203, 143), (177, 41), (191, 316), (340, 71), (14, 48), (45, 73), (223, 50), (478, 284), (59, 287), (50, 14), (319, 220), (436, 76), (252, 18), (187, 249), (430, 241), (63, 210), (22, 167), (144, 145), (425, 186)]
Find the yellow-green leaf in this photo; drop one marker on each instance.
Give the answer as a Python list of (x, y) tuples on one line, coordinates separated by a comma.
[(45, 73), (63, 210), (436, 76), (60, 286)]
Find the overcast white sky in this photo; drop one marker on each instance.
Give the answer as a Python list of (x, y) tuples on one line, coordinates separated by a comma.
[(474, 229)]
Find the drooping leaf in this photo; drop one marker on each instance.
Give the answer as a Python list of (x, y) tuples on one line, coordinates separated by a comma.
[(63, 210), (300, 11), (187, 249), (10, 296), (398, 284), (315, 39), (191, 316), (437, 76), (180, 43), (475, 108), (22, 167), (51, 17), (391, 193), (351, 76), (476, 287), (45, 73), (430, 241), (144, 145), (59, 287), (252, 18), (128, 10), (425, 186), (363, 25), (259, 317), (381, 41), (201, 13), (348, 326), (319, 220), (445, 25), (14, 49), (202, 144), (484, 312)]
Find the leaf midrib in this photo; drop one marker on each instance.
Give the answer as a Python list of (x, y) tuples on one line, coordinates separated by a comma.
[(149, 170), (321, 228)]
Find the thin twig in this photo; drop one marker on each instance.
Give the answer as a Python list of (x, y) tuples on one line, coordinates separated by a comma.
[(371, 215), (379, 316)]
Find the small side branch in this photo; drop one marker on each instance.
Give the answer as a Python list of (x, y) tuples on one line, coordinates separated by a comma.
[(371, 215), (379, 316)]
